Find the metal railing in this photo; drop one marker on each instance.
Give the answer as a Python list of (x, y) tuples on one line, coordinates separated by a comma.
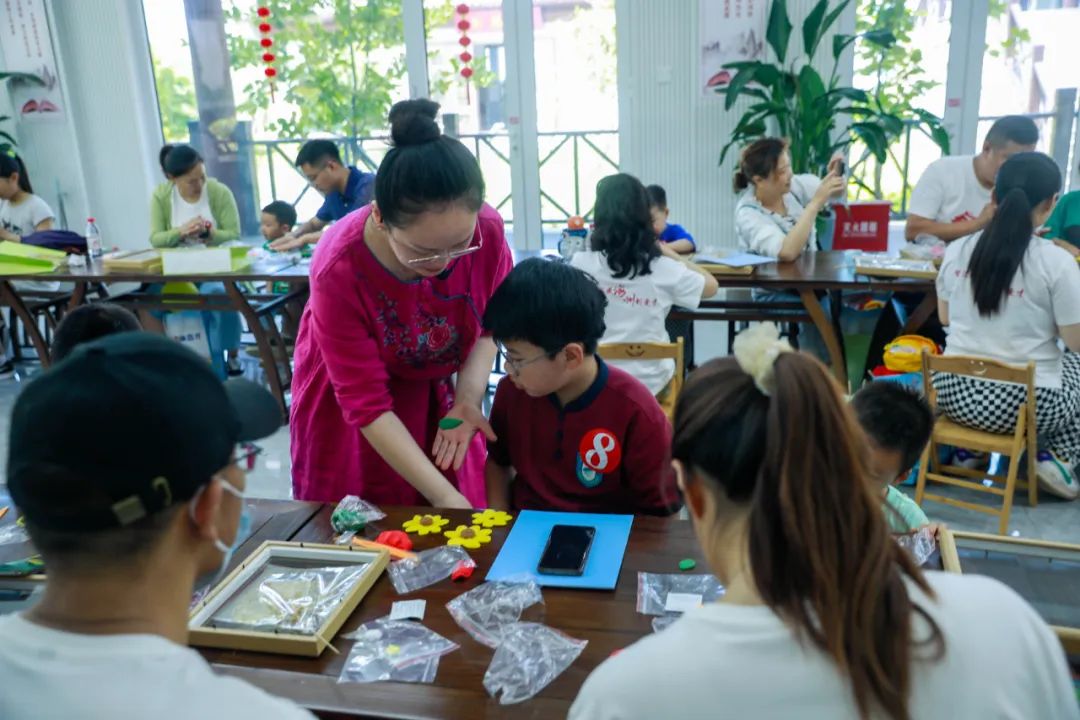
[(570, 162)]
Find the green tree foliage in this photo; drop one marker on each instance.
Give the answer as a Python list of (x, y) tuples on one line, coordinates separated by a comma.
[(176, 101), (339, 62)]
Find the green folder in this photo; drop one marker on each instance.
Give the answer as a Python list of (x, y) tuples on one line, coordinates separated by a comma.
[(19, 259)]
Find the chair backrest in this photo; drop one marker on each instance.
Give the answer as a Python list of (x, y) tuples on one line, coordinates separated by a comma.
[(981, 369), (649, 351)]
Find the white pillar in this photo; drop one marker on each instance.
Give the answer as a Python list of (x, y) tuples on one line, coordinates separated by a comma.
[(416, 65), (521, 120), (967, 45)]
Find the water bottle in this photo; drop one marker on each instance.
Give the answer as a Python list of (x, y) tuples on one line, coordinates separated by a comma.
[(94, 247)]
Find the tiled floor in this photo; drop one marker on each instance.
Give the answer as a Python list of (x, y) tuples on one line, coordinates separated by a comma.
[(1052, 519)]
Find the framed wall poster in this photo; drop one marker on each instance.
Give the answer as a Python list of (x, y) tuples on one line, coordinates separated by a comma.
[(288, 598), (1046, 574), (26, 44), (729, 31)]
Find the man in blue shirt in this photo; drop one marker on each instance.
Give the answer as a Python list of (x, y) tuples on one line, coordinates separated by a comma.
[(344, 188)]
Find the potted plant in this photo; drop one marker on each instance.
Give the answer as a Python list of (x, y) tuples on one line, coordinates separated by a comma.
[(805, 108)]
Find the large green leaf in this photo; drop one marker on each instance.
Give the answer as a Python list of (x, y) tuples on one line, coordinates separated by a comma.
[(873, 137), (851, 94), (811, 88), (817, 24), (840, 41), (7, 137), (735, 87), (778, 32), (881, 38)]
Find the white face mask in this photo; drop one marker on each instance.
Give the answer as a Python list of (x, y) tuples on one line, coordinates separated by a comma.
[(243, 528)]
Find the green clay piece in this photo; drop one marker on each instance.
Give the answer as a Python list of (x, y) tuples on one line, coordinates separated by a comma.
[(687, 564), (449, 423), (344, 520)]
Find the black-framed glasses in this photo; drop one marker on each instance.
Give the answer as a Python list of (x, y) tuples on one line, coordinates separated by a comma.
[(515, 366)]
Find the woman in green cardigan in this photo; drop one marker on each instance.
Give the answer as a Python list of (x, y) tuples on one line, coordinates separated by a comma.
[(192, 210)]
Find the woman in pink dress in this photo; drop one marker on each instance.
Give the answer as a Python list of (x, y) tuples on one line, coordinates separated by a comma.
[(398, 290)]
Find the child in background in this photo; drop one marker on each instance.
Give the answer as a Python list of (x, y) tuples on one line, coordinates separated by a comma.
[(674, 236), (897, 423), (90, 322), (642, 278), (573, 433), (22, 213), (277, 220)]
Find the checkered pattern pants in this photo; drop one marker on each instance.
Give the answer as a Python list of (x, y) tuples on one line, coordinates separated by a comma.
[(992, 406)]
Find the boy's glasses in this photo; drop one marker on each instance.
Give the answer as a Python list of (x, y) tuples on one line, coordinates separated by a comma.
[(514, 366)]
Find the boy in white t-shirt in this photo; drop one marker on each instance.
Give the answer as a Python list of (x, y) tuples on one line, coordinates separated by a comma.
[(641, 277), (128, 514), (952, 198)]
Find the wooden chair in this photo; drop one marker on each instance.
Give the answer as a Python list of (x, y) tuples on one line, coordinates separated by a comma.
[(652, 351), (1013, 445)]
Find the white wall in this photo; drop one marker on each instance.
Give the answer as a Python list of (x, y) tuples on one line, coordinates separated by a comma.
[(100, 158), (669, 132)]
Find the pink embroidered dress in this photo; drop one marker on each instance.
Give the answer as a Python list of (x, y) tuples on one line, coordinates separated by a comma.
[(370, 343)]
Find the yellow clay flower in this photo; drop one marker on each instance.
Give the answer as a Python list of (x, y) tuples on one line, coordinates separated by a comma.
[(468, 536), (425, 524), (492, 518)]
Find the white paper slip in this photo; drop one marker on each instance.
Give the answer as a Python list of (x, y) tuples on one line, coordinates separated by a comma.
[(680, 602), (408, 610), (742, 259)]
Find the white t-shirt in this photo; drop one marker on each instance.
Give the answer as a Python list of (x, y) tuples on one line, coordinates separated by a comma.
[(948, 192), (46, 673), (184, 212), (1043, 296), (21, 219), (728, 661), (762, 231), (637, 308)]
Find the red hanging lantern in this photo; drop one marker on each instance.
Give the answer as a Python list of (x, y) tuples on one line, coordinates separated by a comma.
[(465, 41), (265, 28)]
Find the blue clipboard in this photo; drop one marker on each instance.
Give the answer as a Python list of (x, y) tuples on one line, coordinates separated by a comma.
[(521, 552)]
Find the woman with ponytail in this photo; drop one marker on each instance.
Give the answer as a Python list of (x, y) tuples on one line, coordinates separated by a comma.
[(21, 211), (1010, 295), (398, 290), (824, 616)]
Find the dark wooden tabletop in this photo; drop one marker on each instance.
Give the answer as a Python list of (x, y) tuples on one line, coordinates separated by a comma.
[(607, 619), (283, 268), (822, 270)]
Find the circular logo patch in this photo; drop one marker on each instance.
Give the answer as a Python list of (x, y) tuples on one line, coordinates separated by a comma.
[(600, 451)]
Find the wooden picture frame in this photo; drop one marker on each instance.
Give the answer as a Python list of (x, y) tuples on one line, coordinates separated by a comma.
[(952, 543), (202, 628)]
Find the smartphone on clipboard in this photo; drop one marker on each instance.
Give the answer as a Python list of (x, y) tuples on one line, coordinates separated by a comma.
[(567, 550)]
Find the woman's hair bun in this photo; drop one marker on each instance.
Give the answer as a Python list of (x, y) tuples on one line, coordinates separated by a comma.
[(412, 122)]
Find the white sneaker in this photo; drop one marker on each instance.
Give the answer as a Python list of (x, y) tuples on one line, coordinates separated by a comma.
[(971, 460), (1056, 476)]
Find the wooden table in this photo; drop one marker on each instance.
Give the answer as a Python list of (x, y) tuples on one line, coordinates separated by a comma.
[(813, 273), (258, 309), (607, 619)]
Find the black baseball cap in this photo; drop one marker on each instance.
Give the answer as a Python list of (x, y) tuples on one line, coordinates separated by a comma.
[(123, 428)]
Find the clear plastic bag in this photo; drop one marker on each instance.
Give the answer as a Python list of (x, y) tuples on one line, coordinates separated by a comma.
[(921, 544), (427, 568), (662, 622), (488, 611), (289, 600), (13, 534), (351, 515), (530, 657), (399, 650), (653, 590)]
